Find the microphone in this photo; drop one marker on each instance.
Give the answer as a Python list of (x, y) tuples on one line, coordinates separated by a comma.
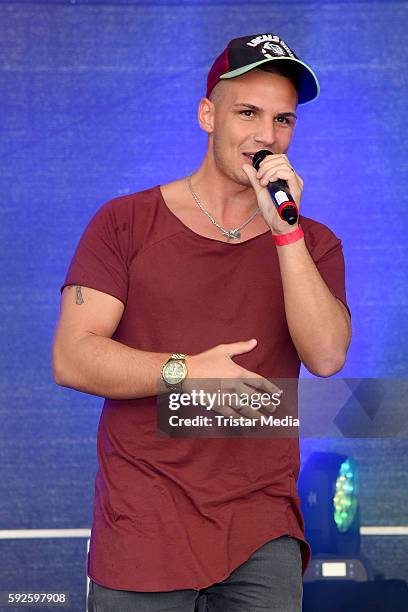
[(278, 190)]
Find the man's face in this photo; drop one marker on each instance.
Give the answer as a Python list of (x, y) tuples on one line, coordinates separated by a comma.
[(254, 111)]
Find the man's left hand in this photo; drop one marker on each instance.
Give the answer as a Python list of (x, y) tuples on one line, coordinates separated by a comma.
[(272, 168)]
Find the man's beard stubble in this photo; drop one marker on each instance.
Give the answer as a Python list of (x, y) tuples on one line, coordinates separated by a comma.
[(223, 167)]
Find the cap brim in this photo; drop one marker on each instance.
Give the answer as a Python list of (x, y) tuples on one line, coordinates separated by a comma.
[(308, 85)]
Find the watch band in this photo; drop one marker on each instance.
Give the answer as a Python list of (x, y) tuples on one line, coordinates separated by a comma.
[(176, 356)]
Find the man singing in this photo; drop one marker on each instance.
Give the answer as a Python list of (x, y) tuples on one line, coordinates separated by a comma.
[(201, 278)]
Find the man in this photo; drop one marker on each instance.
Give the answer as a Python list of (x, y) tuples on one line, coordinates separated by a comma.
[(202, 279)]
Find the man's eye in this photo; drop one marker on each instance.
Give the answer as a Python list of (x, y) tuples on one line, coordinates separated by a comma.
[(246, 111), (287, 121)]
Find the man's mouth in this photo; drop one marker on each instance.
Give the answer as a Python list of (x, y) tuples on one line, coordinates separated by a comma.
[(249, 155)]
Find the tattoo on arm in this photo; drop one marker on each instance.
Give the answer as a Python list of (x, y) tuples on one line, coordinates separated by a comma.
[(78, 295)]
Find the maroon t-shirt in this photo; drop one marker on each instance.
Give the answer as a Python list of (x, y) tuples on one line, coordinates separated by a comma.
[(183, 513)]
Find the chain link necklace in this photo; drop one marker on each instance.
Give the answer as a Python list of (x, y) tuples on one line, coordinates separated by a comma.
[(233, 233)]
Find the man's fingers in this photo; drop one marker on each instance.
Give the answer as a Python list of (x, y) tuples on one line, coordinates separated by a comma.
[(263, 399), (237, 348), (259, 382), (280, 173)]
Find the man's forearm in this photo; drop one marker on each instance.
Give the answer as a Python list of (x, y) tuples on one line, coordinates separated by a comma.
[(102, 366), (319, 326)]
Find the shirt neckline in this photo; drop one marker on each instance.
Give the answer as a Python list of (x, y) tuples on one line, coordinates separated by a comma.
[(189, 230)]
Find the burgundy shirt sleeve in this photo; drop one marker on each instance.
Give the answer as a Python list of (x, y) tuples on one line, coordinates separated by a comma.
[(327, 253), (100, 260)]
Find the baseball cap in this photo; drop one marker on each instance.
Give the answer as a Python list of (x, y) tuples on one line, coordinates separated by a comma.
[(248, 52)]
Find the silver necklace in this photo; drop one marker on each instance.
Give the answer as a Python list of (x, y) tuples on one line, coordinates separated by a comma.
[(233, 233)]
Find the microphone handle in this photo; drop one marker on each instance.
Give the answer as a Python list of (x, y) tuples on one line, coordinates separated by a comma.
[(284, 202), (278, 190)]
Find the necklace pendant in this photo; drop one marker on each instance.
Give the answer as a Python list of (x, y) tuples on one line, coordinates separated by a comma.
[(234, 234)]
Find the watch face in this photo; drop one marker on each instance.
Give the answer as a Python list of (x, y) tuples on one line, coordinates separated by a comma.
[(174, 372)]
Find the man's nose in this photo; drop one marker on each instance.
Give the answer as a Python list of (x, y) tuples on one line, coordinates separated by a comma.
[(266, 133)]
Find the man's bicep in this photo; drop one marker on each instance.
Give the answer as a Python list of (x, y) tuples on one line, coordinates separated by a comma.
[(348, 318), (88, 311), (345, 309), (84, 312)]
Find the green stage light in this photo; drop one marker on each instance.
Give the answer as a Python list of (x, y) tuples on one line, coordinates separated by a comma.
[(345, 499), (328, 488)]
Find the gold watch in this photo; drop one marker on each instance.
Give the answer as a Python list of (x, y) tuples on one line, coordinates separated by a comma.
[(174, 371)]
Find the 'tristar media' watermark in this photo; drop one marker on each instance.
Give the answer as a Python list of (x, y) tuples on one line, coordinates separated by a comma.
[(230, 421)]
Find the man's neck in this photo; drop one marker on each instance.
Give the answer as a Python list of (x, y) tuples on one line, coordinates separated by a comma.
[(226, 199)]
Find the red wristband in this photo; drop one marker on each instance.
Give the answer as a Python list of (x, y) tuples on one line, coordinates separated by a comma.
[(282, 239)]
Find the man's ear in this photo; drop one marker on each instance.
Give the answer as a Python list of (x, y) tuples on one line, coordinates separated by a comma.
[(206, 113)]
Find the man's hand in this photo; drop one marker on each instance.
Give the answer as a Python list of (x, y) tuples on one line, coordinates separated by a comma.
[(214, 364), (272, 168)]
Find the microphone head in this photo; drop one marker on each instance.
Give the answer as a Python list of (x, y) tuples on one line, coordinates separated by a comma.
[(259, 156)]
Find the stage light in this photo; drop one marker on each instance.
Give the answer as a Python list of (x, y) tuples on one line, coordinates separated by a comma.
[(329, 488), (345, 499)]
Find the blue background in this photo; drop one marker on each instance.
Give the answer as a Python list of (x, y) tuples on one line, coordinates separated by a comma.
[(99, 99)]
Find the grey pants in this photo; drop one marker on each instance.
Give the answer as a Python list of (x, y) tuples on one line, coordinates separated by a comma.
[(271, 579)]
